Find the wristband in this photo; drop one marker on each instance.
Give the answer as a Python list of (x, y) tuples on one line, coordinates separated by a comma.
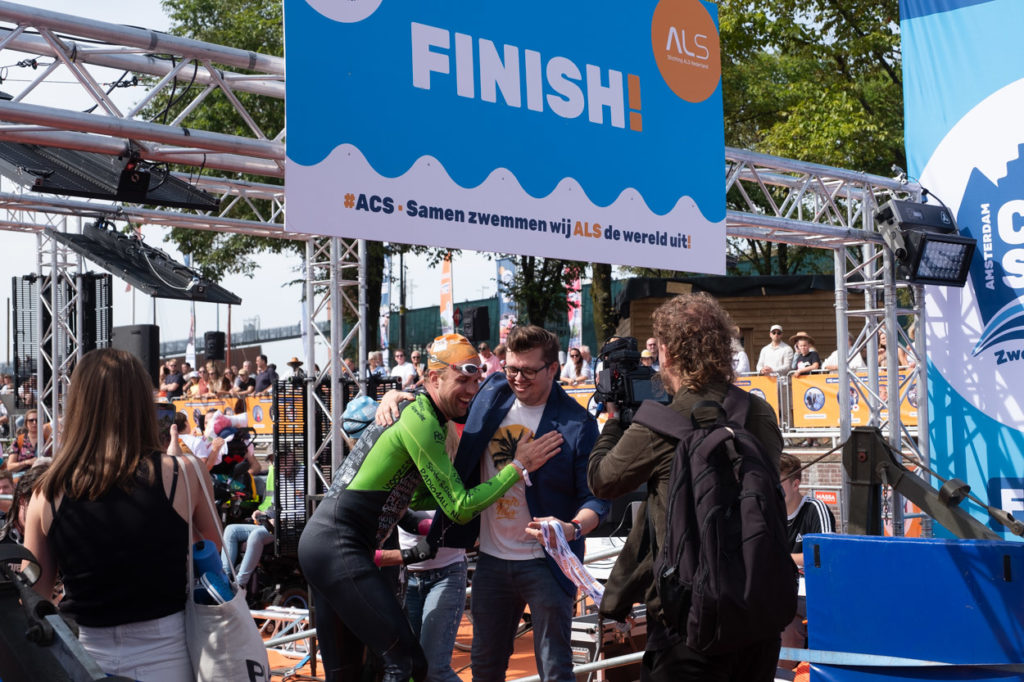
[(579, 529), (378, 557), (523, 471)]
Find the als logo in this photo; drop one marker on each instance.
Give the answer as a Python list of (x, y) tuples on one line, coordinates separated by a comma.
[(993, 213)]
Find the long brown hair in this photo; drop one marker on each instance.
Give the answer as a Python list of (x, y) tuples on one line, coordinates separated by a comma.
[(109, 430)]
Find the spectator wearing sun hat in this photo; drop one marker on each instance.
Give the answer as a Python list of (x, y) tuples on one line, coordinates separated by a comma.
[(777, 357), (805, 360), (297, 371)]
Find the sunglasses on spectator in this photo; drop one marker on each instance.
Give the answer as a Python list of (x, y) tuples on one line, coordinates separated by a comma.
[(466, 368), (31, 421), (775, 331), (528, 373), (574, 355)]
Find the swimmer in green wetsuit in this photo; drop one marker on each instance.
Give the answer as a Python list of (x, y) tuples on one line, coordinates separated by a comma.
[(389, 470)]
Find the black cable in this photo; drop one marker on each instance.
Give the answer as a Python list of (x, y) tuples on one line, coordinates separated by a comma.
[(173, 101), (812, 462), (109, 90)]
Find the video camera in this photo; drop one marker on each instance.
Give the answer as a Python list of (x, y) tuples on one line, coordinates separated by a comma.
[(625, 381)]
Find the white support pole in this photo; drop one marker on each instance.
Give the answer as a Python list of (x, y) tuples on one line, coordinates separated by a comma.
[(155, 42), (337, 315), (311, 465), (362, 313)]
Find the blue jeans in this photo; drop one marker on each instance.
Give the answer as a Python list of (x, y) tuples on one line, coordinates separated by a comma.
[(255, 539), (501, 590), (434, 600)]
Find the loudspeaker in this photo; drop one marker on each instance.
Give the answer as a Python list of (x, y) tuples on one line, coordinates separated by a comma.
[(142, 341), (476, 324), (213, 345)]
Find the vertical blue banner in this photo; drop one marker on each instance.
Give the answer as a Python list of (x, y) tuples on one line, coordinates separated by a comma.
[(542, 128), (964, 98)]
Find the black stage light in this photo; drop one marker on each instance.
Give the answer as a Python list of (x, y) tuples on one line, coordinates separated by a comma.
[(146, 268), (133, 183), (925, 242), (69, 172)]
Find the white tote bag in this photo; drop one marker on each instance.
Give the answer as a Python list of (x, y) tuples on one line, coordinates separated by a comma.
[(223, 640)]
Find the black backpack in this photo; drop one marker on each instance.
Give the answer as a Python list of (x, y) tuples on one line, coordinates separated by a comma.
[(723, 572)]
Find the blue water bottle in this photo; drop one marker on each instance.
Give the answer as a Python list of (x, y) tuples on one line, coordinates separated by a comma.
[(212, 585)]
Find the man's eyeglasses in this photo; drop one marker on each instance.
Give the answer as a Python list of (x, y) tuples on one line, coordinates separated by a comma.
[(528, 373), (775, 332), (466, 368)]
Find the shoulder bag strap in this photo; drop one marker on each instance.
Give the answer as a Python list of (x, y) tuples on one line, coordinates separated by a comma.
[(194, 464), (188, 543), (662, 419)]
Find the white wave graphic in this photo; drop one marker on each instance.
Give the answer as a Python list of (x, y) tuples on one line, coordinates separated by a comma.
[(683, 239), (986, 138), (345, 11)]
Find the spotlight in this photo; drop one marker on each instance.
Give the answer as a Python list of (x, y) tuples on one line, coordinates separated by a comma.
[(925, 242), (133, 184)]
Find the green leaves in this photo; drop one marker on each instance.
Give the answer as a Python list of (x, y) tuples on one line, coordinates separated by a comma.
[(814, 80)]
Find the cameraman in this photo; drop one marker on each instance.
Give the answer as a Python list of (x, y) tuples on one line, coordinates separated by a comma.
[(693, 340)]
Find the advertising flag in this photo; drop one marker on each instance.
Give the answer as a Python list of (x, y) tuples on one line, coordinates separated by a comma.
[(447, 307), (575, 313), (963, 95), (385, 305), (506, 306)]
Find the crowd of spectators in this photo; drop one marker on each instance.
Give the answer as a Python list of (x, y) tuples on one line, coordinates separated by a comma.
[(179, 380), (800, 356)]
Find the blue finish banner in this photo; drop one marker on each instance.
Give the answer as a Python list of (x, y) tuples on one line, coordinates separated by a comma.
[(964, 93), (591, 131)]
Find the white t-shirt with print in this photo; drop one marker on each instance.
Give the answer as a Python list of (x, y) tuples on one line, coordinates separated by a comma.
[(503, 524)]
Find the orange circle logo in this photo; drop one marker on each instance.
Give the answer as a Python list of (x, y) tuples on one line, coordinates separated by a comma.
[(686, 48)]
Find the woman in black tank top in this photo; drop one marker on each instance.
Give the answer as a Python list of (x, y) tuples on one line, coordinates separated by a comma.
[(111, 515)]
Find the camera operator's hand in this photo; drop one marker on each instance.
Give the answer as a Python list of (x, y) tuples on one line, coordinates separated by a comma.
[(387, 412), (535, 452), (612, 410), (421, 552)]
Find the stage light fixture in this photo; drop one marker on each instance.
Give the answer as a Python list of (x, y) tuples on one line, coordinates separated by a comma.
[(925, 243)]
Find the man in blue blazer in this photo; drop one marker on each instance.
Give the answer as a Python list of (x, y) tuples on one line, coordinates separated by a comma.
[(524, 408)]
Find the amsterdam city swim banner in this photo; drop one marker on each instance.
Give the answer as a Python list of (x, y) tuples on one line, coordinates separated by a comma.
[(964, 98), (583, 130)]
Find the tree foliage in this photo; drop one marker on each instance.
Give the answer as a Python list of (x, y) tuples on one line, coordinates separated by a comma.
[(605, 316), (247, 25), (539, 287), (814, 80)]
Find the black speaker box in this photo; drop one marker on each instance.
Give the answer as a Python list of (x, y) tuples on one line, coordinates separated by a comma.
[(476, 324), (213, 345), (142, 341)]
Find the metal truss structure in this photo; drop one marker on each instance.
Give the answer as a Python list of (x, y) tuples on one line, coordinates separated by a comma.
[(771, 198), (807, 204)]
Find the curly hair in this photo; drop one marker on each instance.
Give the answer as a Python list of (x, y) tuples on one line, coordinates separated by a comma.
[(698, 335)]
